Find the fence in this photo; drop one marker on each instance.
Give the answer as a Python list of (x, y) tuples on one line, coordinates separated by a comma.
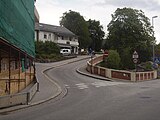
[(93, 68), (20, 98)]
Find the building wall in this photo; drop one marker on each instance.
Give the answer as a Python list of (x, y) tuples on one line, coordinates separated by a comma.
[(66, 40), (17, 19), (16, 70), (19, 80)]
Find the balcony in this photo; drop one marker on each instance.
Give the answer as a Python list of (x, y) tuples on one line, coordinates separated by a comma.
[(67, 42)]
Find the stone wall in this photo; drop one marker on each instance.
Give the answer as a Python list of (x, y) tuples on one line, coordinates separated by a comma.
[(118, 74)]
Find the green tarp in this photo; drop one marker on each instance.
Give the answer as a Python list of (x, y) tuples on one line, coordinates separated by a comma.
[(17, 24)]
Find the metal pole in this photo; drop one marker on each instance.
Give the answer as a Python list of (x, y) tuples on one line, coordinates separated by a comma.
[(19, 67), (91, 63), (153, 36), (9, 70), (25, 62), (0, 62)]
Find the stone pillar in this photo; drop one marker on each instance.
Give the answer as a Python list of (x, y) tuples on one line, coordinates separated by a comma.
[(109, 71), (133, 76)]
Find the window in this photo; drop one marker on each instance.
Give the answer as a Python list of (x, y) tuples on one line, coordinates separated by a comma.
[(4, 67), (45, 36), (67, 42), (49, 37), (13, 65), (55, 37), (4, 64)]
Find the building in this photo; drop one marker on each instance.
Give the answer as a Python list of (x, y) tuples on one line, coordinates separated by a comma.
[(58, 34), (17, 49)]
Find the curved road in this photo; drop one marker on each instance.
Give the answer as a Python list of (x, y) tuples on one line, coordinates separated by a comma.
[(93, 99)]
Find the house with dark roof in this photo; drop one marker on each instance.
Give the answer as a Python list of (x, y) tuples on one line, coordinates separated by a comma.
[(58, 34)]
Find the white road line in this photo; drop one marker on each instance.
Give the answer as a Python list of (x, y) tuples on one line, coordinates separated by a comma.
[(82, 86), (103, 84), (96, 84), (67, 86)]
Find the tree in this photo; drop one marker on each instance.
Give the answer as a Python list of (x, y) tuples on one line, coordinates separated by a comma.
[(157, 50), (130, 28), (76, 23), (96, 34), (126, 59), (113, 59)]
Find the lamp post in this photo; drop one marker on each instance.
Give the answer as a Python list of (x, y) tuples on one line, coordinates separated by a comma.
[(153, 36)]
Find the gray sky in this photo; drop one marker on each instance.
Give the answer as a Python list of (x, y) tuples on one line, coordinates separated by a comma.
[(50, 11)]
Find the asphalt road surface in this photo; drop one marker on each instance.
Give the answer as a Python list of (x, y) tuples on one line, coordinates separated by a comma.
[(92, 99)]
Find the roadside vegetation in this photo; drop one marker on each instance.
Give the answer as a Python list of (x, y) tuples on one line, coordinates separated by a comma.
[(130, 30), (47, 52), (90, 33)]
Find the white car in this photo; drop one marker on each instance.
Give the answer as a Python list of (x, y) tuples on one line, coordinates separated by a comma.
[(65, 51)]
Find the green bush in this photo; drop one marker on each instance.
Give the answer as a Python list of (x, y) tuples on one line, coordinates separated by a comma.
[(148, 66), (47, 48), (113, 59), (48, 51)]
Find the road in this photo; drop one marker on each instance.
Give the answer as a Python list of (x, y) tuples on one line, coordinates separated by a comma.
[(92, 99)]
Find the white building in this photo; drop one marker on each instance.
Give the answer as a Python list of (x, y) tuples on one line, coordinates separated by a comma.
[(58, 34)]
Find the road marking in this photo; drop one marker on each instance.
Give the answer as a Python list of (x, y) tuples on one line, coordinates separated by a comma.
[(103, 84), (67, 86), (82, 86)]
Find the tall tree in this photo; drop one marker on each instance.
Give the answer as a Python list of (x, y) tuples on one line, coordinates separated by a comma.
[(76, 23), (157, 50), (96, 34), (130, 28)]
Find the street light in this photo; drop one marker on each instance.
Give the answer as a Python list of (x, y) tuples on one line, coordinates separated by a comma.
[(153, 36)]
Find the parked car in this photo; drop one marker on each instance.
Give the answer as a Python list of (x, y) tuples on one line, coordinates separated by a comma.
[(65, 51)]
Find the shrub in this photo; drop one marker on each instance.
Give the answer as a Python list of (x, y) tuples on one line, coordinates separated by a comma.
[(47, 51), (113, 59), (148, 66)]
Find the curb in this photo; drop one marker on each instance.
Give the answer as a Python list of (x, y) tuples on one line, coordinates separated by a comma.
[(105, 79), (92, 76), (19, 107), (60, 94)]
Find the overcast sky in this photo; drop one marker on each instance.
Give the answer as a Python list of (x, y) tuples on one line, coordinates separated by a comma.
[(50, 11)]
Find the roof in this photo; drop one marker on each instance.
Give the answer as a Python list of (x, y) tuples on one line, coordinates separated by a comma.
[(59, 30)]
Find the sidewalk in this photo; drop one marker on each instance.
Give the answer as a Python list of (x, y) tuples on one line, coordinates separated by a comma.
[(49, 89)]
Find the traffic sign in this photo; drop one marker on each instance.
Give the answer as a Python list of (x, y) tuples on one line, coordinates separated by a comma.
[(157, 60), (135, 60), (135, 55)]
